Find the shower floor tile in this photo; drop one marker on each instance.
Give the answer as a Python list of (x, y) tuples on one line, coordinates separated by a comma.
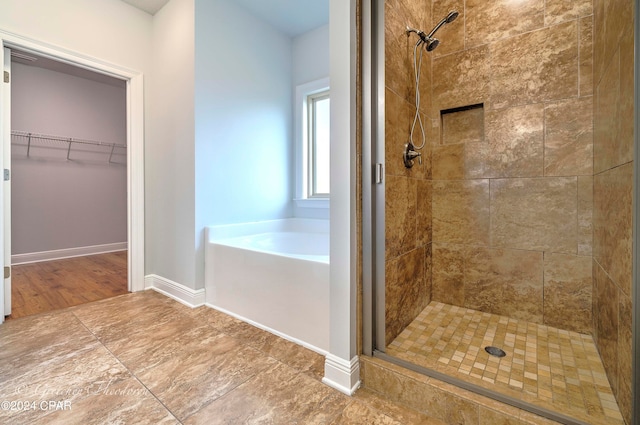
[(549, 367)]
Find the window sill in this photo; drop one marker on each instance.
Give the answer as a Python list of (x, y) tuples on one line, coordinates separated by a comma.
[(312, 203)]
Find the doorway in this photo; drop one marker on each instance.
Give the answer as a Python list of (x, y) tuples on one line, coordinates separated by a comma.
[(68, 185), (134, 141)]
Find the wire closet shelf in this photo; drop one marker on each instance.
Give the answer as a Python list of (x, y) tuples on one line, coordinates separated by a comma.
[(28, 138)]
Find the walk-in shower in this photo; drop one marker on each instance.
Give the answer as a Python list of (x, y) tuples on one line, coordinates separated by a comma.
[(502, 262)]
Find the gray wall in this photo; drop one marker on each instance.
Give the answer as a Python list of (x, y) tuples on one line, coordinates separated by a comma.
[(60, 204)]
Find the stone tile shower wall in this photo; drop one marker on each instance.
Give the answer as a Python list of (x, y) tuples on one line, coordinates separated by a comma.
[(407, 192), (523, 203), (613, 188), (512, 164)]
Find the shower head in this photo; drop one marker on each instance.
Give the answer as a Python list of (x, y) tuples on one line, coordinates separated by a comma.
[(431, 44), (451, 16), (447, 20), (429, 41)]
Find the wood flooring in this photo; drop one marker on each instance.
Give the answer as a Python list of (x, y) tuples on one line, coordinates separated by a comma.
[(53, 285)]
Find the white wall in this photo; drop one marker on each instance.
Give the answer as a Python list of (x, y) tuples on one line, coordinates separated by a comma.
[(58, 204), (169, 150), (243, 118), (311, 56), (107, 31)]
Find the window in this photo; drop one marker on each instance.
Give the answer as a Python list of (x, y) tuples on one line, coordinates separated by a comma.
[(312, 118), (318, 144)]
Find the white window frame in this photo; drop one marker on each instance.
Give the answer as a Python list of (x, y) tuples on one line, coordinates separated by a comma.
[(303, 196)]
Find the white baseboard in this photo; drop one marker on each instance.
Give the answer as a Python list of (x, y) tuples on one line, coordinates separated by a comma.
[(59, 254), (343, 375), (270, 330), (339, 374), (187, 296)]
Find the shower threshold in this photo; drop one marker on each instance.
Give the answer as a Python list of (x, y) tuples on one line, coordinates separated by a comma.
[(554, 369)]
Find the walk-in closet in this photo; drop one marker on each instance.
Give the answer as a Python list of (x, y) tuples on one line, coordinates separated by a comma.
[(68, 192)]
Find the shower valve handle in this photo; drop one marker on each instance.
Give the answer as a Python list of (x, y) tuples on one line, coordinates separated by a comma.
[(413, 155), (410, 154)]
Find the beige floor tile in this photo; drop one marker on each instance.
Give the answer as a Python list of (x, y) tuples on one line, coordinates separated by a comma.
[(69, 378), (143, 352), (144, 358), (278, 395), (190, 380), (549, 367), (125, 402)]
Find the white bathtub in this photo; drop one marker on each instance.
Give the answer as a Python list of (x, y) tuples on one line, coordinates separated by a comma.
[(273, 274)]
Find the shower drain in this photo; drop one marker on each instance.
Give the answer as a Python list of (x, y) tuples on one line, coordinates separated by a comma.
[(495, 351)]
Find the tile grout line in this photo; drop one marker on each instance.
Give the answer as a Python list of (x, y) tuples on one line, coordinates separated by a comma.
[(207, 324), (133, 375)]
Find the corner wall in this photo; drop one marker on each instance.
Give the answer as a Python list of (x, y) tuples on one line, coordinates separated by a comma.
[(613, 193), (407, 191), (169, 147), (243, 124), (310, 62), (310, 55)]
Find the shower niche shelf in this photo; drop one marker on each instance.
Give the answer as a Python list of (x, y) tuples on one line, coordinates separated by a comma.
[(464, 124)]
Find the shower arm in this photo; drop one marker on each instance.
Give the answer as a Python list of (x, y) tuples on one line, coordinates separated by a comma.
[(420, 33)]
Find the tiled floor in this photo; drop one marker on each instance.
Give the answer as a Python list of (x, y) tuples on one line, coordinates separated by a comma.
[(144, 358), (549, 367)]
